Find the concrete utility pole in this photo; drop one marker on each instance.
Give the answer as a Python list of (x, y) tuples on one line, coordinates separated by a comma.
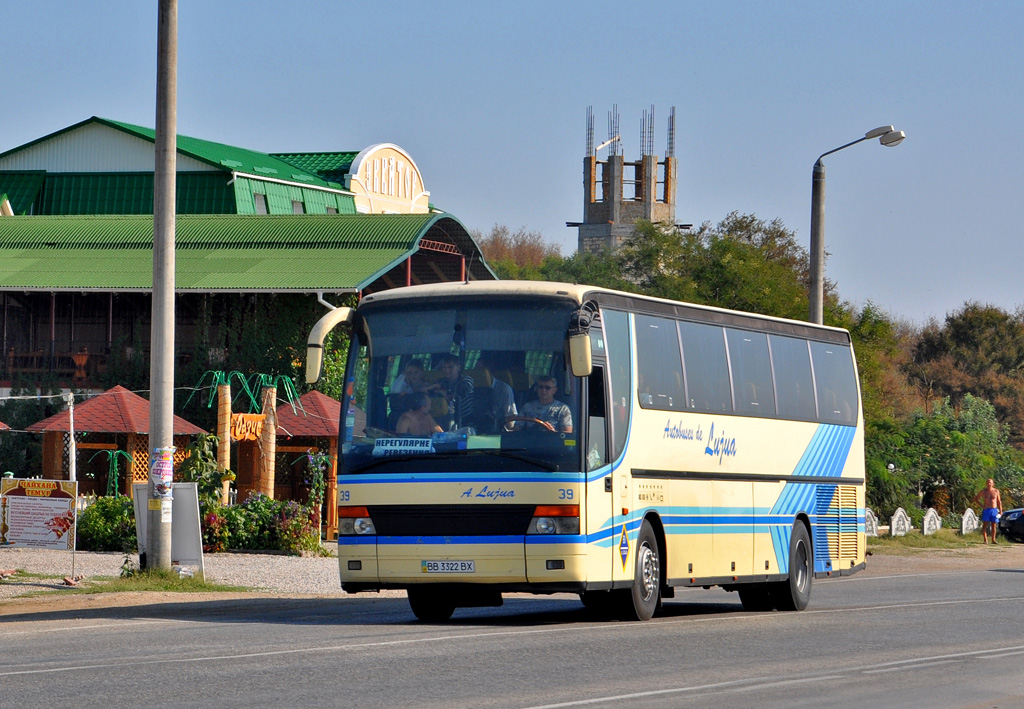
[(887, 136), (161, 377)]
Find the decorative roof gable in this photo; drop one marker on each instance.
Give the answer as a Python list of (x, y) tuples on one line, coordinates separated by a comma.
[(116, 410)]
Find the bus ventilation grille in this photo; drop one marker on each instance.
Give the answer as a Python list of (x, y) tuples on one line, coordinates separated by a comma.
[(836, 508)]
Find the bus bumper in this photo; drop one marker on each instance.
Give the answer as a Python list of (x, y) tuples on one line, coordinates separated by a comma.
[(384, 562)]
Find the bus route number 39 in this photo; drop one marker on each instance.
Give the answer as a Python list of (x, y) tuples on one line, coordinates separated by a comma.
[(448, 567)]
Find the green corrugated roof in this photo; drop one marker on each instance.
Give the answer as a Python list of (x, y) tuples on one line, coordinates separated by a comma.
[(21, 187), (215, 252), (330, 166), (226, 157), (132, 193), (230, 157)]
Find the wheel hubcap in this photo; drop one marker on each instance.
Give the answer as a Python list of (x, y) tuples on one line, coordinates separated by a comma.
[(801, 566), (648, 572)]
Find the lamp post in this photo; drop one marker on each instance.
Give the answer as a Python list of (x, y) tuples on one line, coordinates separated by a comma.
[(887, 136)]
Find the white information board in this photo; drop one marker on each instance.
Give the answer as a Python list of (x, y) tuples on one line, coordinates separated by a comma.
[(186, 535)]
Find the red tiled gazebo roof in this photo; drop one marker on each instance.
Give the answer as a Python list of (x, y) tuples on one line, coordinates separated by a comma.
[(320, 420), (3, 426), (116, 410)]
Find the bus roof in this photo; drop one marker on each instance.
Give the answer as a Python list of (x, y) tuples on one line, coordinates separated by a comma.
[(578, 293)]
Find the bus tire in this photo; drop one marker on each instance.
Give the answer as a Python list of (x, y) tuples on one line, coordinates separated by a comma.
[(430, 606), (757, 597), (644, 597), (794, 593)]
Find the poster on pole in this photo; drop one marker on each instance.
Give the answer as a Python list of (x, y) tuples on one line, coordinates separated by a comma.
[(38, 513)]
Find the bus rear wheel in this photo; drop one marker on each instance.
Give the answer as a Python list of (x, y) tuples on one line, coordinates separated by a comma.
[(644, 598), (794, 593), (430, 606)]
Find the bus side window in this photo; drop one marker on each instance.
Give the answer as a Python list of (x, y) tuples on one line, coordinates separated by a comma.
[(616, 331), (597, 444), (836, 381)]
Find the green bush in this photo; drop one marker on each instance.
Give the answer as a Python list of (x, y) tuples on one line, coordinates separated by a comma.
[(216, 536), (253, 524), (299, 528), (108, 525)]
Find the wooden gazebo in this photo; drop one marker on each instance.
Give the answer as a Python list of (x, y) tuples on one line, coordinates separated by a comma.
[(116, 420), (312, 427)]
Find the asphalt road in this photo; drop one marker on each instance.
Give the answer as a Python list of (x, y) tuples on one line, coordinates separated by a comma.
[(947, 639)]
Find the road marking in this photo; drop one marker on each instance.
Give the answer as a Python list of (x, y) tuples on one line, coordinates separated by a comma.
[(97, 626), (135, 661), (916, 666), (763, 682)]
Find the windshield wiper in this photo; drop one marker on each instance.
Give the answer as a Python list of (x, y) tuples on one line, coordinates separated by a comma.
[(398, 459), (515, 455), (511, 454)]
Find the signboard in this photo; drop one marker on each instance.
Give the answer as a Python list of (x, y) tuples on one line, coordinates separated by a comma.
[(247, 427), (38, 513), (385, 180), (186, 537)]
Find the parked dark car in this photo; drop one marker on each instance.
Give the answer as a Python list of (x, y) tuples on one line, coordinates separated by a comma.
[(1011, 524)]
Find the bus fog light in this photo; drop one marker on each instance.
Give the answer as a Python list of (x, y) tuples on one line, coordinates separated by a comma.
[(554, 525), (544, 525), (352, 526)]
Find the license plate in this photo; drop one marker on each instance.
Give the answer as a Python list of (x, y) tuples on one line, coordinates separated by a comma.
[(448, 567)]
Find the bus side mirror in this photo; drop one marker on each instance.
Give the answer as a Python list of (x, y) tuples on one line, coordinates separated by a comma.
[(579, 355), (315, 343)]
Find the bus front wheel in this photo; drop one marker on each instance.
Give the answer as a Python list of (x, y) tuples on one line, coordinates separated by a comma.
[(794, 593), (644, 597), (430, 606)]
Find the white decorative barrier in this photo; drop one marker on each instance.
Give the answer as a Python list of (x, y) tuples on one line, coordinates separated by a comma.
[(900, 523), (969, 523), (870, 523), (932, 523)]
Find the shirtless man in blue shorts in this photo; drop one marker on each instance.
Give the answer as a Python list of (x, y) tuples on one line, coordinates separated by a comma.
[(992, 507)]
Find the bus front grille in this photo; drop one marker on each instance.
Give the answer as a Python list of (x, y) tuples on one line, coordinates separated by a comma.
[(450, 520)]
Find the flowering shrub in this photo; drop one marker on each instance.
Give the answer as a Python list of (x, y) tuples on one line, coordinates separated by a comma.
[(215, 530), (299, 528), (108, 525)]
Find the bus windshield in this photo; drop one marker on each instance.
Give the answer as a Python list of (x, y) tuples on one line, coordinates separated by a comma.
[(461, 386)]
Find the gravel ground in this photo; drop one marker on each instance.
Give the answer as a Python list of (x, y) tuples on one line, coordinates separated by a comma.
[(275, 573)]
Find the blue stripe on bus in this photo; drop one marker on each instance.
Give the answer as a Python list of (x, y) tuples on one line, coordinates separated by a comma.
[(492, 477), (447, 540)]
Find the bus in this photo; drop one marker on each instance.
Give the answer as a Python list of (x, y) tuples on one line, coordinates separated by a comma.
[(560, 438)]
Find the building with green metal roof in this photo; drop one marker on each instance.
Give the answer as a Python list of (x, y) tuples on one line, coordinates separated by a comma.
[(76, 256)]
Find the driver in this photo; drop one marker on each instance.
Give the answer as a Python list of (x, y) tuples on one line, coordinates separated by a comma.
[(546, 407)]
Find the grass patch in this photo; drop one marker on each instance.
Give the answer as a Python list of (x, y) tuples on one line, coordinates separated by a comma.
[(153, 580), (21, 575), (914, 541)]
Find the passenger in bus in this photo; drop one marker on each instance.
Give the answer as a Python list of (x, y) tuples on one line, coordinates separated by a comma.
[(410, 380), (418, 421), (546, 408), (500, 401), (457, 389)]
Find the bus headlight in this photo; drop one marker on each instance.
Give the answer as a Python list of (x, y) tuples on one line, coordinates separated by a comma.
[(555, 519), (354, 521)]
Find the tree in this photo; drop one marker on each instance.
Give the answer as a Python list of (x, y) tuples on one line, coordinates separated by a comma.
[(515, 254), (979, 350)]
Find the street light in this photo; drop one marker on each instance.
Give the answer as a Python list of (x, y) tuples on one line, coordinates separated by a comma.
[(888, 137)]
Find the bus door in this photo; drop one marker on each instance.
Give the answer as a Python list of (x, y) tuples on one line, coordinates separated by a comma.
[(618, 482)]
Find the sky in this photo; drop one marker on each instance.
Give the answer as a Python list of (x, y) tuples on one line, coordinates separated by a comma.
[(490, 101)]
